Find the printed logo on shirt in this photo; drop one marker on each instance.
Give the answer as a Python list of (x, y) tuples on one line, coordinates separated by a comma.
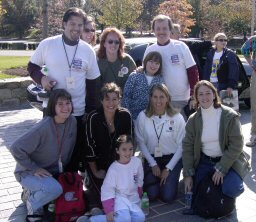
[(175, 59), (80, 65)]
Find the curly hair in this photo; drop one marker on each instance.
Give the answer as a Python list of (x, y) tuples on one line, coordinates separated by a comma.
[(102, 50)]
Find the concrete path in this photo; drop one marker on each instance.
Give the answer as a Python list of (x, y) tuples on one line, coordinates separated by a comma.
[(15, 123)]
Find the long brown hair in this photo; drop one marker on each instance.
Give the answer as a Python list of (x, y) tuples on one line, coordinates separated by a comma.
[(216, 100), (168, 109), (102, 50)]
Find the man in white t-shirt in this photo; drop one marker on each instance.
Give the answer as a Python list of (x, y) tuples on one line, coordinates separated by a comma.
[(179, 70), (71, 65)]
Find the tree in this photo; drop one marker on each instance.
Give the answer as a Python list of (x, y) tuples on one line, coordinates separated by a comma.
[(119, 13), (45, 18), (223, 16), (150, 10), (19, 16), (180, 11)]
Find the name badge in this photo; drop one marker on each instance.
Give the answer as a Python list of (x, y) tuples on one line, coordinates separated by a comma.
[(60, 166), (70, 82), (158, 152)]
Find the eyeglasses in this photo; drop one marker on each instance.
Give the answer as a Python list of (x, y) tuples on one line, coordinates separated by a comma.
[(116, 42), (222, 40), (89, 30)]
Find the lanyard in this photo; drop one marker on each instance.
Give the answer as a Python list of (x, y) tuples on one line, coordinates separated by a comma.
[(60, 141), (158, 136), (69, 64)]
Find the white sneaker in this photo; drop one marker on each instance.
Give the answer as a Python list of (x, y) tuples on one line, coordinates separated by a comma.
[(83, 219), (251, 143), (39, 211), (25, 195)]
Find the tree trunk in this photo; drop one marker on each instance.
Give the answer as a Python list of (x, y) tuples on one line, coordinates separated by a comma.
[(45, 18)]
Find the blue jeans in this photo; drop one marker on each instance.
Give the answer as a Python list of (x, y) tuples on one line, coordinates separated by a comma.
[(122, 216), (43, 190), (232, 184), (168, 191)]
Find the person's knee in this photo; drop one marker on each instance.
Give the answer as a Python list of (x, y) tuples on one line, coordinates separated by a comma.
[(233, 191), (54, 190), (153, 193), (123, 216), (138, 217)]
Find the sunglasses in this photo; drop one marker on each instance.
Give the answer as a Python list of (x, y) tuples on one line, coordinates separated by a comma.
[(222, 40), (89, 30), (113, 41)]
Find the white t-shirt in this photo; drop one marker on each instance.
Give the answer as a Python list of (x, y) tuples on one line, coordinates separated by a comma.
[(170, 139), (176, 58), (51, 53), (215, 64), (122, 182)]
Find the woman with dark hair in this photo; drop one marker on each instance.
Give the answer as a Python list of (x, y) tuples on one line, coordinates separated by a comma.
[(44, 151), (221, 66), (114, 64), (213, 144), (89, 32), (137, 87), (159, 132), (103, 127)]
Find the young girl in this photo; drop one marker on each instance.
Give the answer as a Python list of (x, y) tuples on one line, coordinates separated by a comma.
[(139, 83), (122, 187)]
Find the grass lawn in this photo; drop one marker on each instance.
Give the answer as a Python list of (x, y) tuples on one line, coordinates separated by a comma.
[(12, 62)]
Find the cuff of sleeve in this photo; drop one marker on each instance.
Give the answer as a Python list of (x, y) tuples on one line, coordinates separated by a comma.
[(108, 205), (220, 168), (188, 173), (140, 191)]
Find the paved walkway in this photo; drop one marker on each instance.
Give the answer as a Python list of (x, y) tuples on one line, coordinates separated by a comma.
[(15, 123)]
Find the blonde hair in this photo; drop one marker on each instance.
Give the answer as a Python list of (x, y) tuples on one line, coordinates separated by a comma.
[(168, 109)]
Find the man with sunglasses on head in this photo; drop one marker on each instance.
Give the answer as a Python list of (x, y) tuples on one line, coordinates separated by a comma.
[(71, 65), (179, 69), (221, 66)]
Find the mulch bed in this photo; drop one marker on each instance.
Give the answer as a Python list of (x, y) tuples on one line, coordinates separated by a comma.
[(22, 71)]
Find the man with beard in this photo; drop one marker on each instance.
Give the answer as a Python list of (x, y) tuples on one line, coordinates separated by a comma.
[(71, 65)]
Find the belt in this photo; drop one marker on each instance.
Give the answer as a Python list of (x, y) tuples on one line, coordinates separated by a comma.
[(213, 159)]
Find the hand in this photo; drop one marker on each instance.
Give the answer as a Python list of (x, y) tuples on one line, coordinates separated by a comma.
[(188, 183), (110, 217), (100, 174), (217, 178), (42, 173), (229, 92), (48, 83), (156, 171), (192, 104), (164, 175)]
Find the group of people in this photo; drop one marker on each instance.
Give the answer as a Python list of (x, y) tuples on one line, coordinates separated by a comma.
[(150, 113)]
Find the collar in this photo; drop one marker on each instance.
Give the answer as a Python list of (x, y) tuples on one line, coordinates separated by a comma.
[(68, 41), (164, 43)]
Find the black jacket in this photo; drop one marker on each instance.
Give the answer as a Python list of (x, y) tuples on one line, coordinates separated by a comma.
[(100, 145), (227, 71)]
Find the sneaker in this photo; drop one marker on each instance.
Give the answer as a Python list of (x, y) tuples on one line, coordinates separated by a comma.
[(251, 143), (83, 219), (31, 211), (96, 211), (25, 195)]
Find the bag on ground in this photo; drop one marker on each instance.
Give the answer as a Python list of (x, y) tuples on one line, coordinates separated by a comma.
[(210, 202), (71, 204)]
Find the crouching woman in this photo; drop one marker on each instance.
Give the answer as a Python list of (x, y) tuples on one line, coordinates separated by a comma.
[(44, 151), (213, 144)]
